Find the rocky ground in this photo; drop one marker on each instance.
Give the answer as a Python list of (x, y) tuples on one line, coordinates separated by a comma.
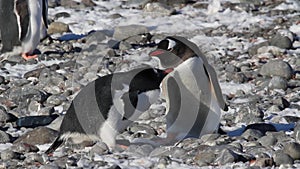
[(253, 45)]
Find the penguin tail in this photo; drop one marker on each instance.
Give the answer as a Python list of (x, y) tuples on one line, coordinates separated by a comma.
[(58, 141)]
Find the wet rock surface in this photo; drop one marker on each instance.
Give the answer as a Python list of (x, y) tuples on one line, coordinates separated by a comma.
[(256, 57)]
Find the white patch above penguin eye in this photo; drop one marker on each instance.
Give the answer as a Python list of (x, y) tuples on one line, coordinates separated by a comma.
[(171, 44)]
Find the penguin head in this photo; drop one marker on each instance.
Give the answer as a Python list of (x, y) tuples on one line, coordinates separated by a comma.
[(171, 52)]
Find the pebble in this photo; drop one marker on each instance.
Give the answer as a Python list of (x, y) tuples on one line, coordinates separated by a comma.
[(281, 41), (24, 148), (39, 135), (292, 149), (58, 27), (4, 137), (252, 134), (158, 9), (35, 121), (278, 82), (9, 155), (124, 32), (277, 68), (282, 158)]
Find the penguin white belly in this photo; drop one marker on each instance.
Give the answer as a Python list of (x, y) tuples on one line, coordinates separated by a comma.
[(192, 108), (118, 120), (32, 38)]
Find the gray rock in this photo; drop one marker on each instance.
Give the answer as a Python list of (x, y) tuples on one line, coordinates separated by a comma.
[(35, 121), (124, 32), (62, 15), (4, 137), (281, 41), (278, 82), (97, 36), (24, 148), (204, 158), (140, 150), (39, 135), (4, 117), (56, 100), (226, 156), (262, 162), (252, 134), (297, 133), (2, 80), (58, 27), (268, 140), (277, 68), (292, 149), (281, 102), (28, 92), (9, 155), (282, 158), (158, 9), (32, 158), (253, 50), (99, 148)]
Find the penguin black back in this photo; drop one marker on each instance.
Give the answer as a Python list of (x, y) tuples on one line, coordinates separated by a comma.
[(91, 107)]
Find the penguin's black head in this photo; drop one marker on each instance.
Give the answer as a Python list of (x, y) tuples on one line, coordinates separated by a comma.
[(171, 52)]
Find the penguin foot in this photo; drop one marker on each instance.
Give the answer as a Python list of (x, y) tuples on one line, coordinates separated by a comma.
[(26, 56)]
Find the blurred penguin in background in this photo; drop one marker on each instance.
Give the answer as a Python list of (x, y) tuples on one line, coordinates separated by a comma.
[(23, 25)]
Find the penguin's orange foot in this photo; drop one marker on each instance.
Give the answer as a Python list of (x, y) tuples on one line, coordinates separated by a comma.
[(26, 56)]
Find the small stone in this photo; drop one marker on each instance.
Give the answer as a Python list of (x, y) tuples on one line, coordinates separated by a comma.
[(252, 134), (281, 41), (62, 15), (58, 27), (4, 117), (8, 155), (2, 80), (292, 149), (39, 135), (4, 137), (24, 148), (226, 156), (35, 121), (268, 140), (140, 150), (277, 68), (99, 148), (262, 162), (32, 158), (278, 82), (281, 102), (204, 158), (282, 158), (158, 9), (88, 3), (253, 50), (297, 133), (96, 36), (124, 32)]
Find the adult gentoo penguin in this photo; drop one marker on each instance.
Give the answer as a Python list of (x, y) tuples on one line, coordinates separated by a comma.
[(23, 24), (191, 90), (108, 105)]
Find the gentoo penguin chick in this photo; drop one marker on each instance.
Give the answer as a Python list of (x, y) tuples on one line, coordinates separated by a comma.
[(23, 24), (191, 90), (108, 105)]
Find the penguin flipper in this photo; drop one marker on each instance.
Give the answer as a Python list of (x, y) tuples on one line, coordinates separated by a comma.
[(58, 141)]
